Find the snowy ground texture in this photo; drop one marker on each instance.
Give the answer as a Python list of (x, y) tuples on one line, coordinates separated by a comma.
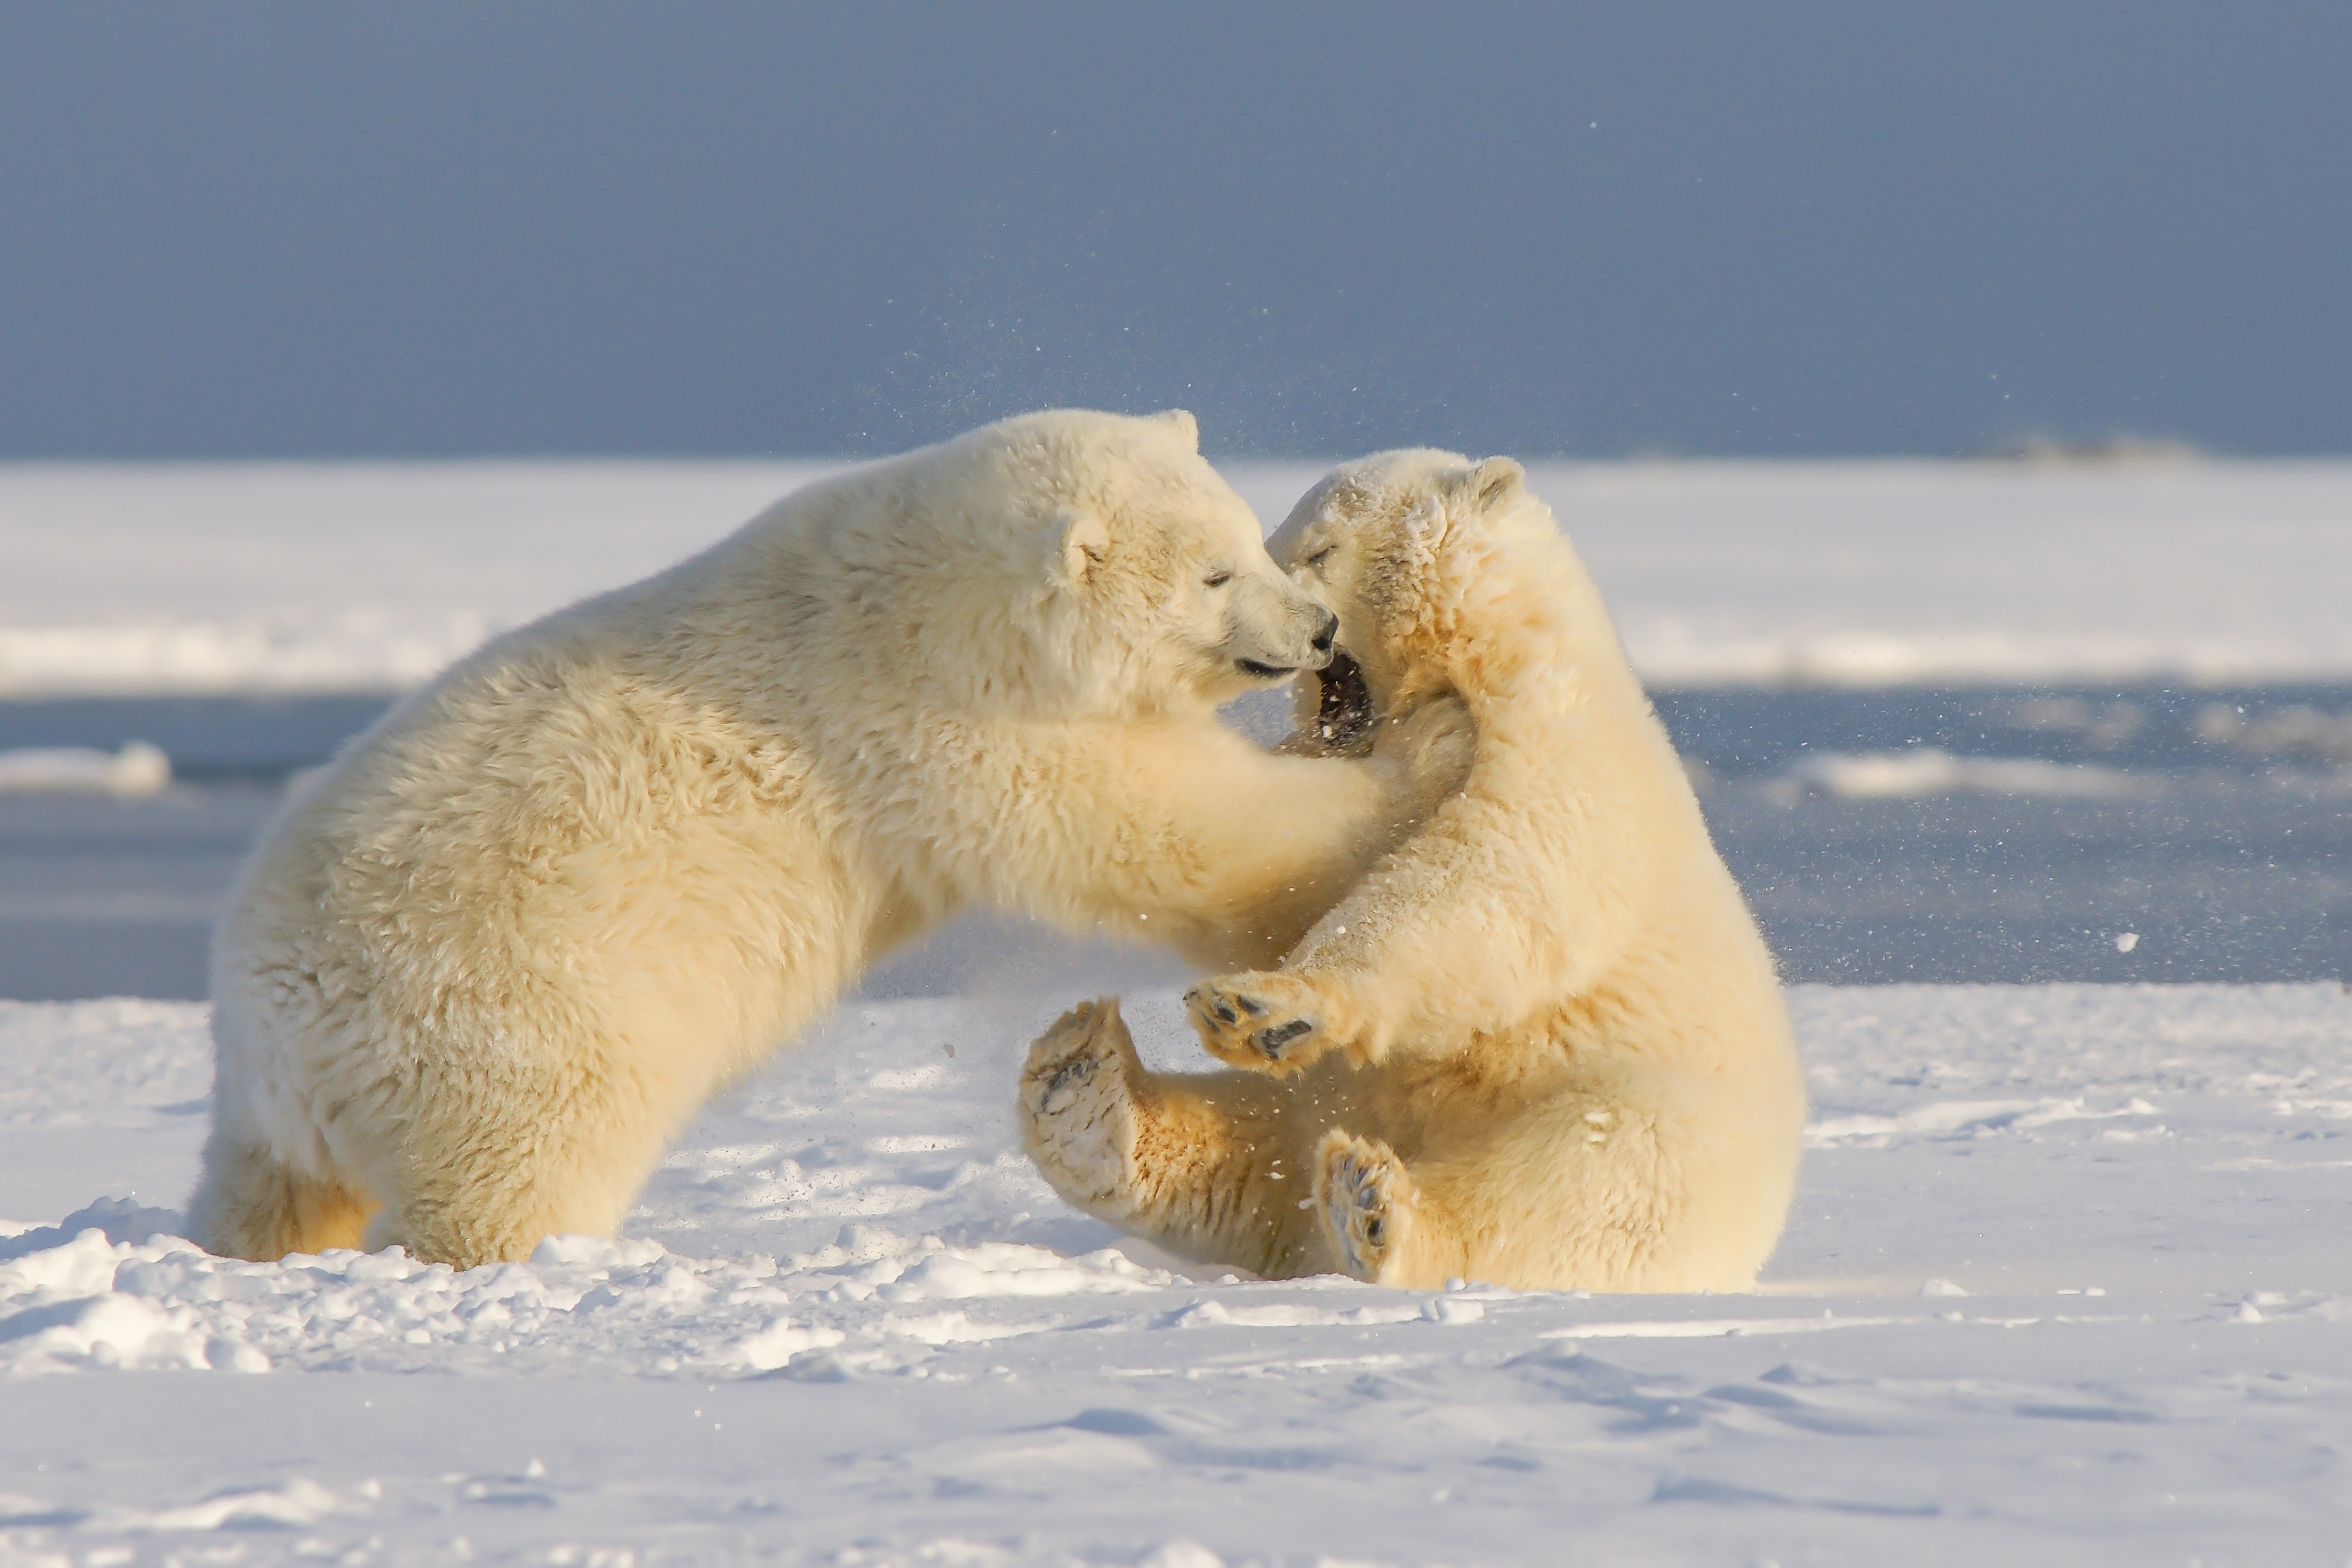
[(324, 577), (2068, 1283)]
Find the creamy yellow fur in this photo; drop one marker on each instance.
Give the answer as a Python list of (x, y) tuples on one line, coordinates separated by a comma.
[(477, 972), (1542, 1043)]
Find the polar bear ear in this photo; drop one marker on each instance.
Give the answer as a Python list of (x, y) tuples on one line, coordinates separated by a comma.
[(1491, 482), (1182, 423), (1083, 541)]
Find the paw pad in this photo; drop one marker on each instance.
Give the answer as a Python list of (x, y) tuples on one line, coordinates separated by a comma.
[(1258, 1020), (1078, 1107), (1270, 1041), (1229, 1011), (1366, 1200), (1078, 1072)]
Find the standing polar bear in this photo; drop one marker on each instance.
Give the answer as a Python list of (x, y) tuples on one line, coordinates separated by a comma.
[(476, 974), (1542, 1043)]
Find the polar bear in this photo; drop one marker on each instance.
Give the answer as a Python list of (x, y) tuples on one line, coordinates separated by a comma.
[(476, 974), (1542, 1043)]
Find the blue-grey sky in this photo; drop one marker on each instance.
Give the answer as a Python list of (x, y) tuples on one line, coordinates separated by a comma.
[(255, 230)]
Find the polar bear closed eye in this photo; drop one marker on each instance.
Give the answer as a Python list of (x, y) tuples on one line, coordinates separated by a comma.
[(1542, 1043), (478, 971)]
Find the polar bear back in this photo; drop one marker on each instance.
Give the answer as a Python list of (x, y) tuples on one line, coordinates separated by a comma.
[(482, 966)]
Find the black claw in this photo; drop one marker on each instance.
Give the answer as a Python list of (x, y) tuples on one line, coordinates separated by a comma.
[(1270, 1041), (1252, 1008), (1081, 1070), (1226, 1015), (1372, 1229)]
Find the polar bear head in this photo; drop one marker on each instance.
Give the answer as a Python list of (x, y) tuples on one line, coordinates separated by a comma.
[(1395, 542), (1101, 566)]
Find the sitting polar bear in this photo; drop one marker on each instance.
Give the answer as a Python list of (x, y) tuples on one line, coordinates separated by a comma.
[(476, 974), (1542, 1043)]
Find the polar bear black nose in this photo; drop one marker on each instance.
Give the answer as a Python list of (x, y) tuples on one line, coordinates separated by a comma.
[(1330, 630)]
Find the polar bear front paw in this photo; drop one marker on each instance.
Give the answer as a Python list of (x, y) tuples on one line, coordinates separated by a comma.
[(1365, 1196), (1077, 1107), (1269, 1022)]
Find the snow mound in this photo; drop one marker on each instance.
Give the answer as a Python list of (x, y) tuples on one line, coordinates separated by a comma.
[(581, 1301)]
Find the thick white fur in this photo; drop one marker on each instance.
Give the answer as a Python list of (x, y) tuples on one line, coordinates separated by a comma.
[(480, 971), (1542, 1043)]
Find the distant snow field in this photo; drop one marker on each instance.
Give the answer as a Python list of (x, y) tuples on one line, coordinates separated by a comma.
[(2066, 1284), (291, 578), (138, 769)]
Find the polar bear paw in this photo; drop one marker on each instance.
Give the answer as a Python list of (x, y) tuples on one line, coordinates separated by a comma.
[(1365, 1196), (1077, 1106), (1273, 1023)]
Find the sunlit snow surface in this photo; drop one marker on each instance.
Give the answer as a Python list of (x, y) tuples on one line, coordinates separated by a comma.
[(848, 1324)]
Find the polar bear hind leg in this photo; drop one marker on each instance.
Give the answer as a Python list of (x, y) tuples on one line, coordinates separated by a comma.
[(1078, 1107), (252, 1204), (559, 1159), (1607, 1187), (1203, 1164)]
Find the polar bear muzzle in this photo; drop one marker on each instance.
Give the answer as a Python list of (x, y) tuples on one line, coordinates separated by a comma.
[(1318, 656)]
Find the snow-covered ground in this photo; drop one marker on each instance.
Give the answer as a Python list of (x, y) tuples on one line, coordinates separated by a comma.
[(2068, 1279), (291, 578), (2068, 1283)]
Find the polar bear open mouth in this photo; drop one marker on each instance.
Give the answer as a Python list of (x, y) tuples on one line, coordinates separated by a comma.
[(1344, 712)]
